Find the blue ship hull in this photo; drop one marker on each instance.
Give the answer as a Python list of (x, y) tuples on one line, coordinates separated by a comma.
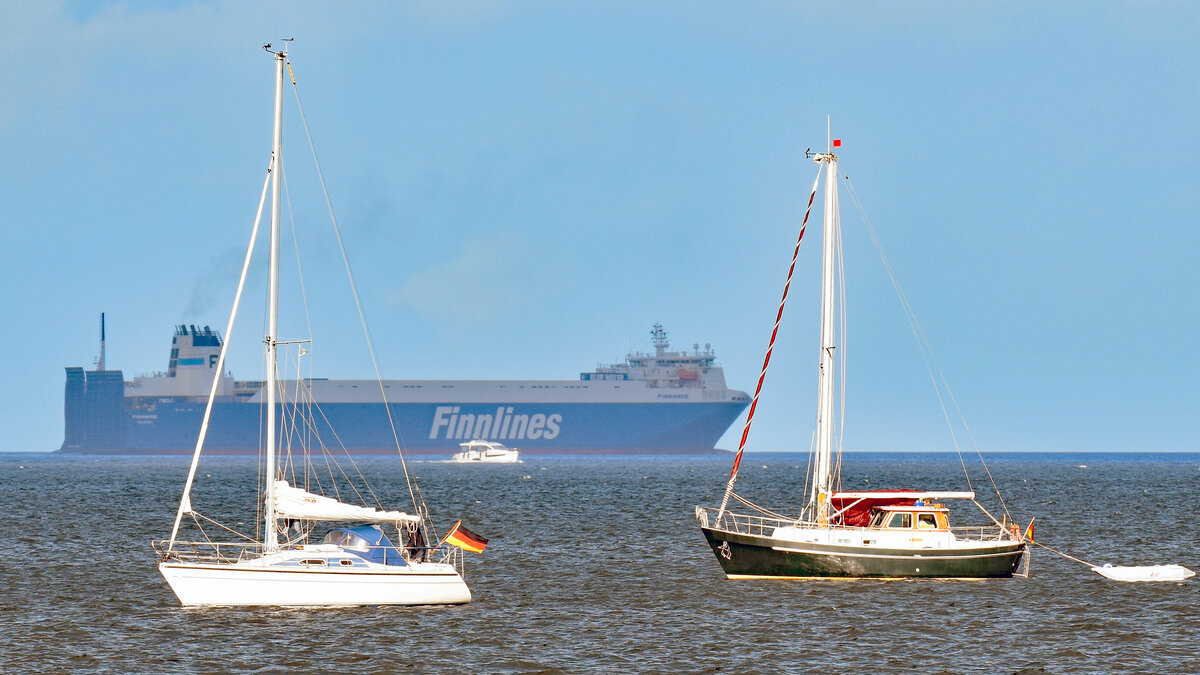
[(99, 419)]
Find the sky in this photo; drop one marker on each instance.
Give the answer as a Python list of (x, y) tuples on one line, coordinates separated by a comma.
[(524, 188)]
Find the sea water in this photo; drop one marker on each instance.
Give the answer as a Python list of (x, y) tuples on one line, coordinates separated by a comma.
[(596, 563)]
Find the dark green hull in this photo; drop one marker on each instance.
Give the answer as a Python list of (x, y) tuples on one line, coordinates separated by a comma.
[(743, 555)]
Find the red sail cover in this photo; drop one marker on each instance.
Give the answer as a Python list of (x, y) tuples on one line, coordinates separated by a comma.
[(859, 515)]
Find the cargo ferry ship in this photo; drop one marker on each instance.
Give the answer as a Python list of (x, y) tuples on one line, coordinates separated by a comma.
[(660, 402)]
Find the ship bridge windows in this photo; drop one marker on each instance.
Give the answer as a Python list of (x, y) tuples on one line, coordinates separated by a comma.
[(900, 521), (620, 377), (926, 521)]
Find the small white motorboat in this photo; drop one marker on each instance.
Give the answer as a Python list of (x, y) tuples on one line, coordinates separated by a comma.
[(486, 451)]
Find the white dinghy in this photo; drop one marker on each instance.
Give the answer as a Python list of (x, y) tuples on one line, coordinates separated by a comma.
[(1122, 572), (1145, 573), (354, 563)]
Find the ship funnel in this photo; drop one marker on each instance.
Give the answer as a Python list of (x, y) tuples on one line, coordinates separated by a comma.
[(100, 361)]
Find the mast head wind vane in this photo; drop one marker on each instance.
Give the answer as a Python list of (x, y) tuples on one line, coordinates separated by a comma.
[(283, 52)]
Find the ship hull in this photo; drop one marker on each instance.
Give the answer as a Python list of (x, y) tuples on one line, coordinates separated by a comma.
[(167, 425), (744, 556)]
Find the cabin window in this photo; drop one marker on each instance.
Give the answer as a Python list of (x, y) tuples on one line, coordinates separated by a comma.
[(877, 519), (333, 537), (900, 521), (926, 521)]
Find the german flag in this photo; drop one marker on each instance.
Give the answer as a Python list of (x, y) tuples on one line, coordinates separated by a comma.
[(1029, 530), (465, 539)]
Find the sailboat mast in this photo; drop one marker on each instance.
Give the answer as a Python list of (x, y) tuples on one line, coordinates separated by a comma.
[(824, 441), (270, 539)]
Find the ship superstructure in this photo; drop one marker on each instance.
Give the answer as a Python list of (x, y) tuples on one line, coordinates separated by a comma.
[(665, 369), (665, 401)]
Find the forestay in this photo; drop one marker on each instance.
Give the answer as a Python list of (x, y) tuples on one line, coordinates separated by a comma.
[(293, 502)]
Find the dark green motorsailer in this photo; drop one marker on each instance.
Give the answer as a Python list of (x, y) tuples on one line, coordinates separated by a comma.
[(743, 554), (881, 533)]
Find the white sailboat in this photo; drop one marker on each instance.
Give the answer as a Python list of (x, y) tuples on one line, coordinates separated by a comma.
[(353, 564), (848, 534)]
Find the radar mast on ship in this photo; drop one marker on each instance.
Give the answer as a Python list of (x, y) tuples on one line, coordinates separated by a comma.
[(658, 336)]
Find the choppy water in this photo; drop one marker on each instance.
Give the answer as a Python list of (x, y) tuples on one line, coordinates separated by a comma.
[(596, 564)]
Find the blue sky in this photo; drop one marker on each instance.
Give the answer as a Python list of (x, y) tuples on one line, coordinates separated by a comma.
[(526, 187)]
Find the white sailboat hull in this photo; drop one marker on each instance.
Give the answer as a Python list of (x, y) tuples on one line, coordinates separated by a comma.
[(245, 583)]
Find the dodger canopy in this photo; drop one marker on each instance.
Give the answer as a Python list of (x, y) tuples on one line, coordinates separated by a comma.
[(367, 542)]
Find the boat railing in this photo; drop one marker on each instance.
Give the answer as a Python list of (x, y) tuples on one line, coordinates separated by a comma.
[(981, 533), (445, 553), (231, 552), (742, 523), (206, 551), (453, 556), (764, 526)]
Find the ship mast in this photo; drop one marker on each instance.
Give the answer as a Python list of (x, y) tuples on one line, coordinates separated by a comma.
[(270, 539), (824, 441)]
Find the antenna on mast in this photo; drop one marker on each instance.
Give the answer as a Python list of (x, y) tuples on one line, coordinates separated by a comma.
[(659, 337), (285, 41)]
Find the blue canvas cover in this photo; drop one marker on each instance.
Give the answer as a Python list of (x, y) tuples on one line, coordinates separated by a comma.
[(367, 542)]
